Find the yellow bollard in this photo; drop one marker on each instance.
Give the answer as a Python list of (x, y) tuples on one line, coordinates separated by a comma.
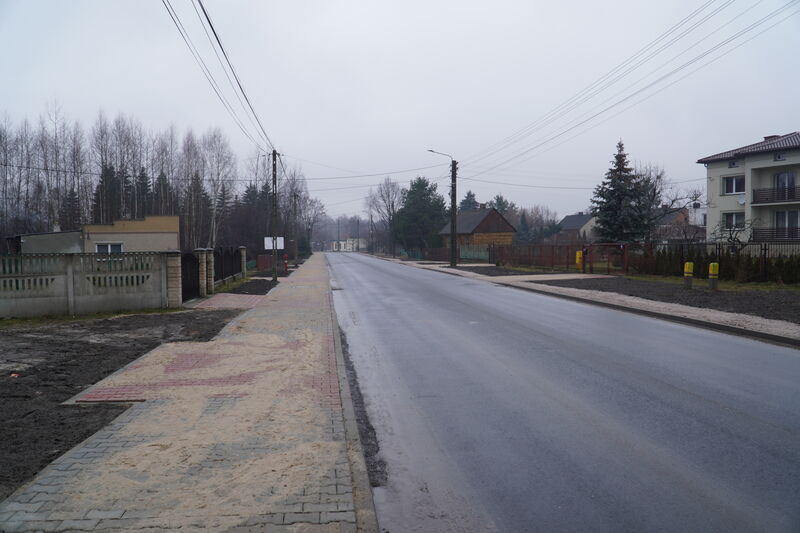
[(579, 260), (713, 276), (688, 274)]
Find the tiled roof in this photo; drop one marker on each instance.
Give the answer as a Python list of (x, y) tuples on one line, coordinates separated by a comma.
[(576, 221), (769, 144), (468, 221)]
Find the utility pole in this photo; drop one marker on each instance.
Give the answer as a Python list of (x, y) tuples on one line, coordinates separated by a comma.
[(274, 215), (294, 224), (358, 234), (338, 237), (453, 244), (453, 210)]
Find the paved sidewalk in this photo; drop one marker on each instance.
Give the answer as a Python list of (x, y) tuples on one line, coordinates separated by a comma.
[(775, 330), (243, 433)]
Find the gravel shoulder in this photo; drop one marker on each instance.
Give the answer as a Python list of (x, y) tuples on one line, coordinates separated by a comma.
[(775, 305), (44, 363)]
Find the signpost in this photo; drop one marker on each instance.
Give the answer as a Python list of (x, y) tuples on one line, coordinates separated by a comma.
[(277, 240)]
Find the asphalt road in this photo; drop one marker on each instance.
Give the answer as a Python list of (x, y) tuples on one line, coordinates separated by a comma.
[(500, 409)]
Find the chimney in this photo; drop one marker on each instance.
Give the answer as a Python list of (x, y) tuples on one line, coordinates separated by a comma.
[(771, 137)]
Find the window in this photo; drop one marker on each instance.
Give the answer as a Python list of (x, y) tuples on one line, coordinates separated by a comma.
[(733, 164), (733, 220), (109, 248), (733, 185), (780, 156)]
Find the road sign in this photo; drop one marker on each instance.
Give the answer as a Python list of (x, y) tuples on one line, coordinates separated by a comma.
[(268, 243)]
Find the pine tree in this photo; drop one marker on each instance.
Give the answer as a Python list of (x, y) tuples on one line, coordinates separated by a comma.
[(522, 235), (469, 203), (502, 205), (106, 204), (615, 202), (423, 214), (142, 196), (69, 216), (163, 202)]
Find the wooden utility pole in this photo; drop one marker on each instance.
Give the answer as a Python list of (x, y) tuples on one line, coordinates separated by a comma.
[(358, 234), (453, 213), (274, 215)]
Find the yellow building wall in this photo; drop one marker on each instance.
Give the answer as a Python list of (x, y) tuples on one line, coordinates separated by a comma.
[(492, 238), (151, 234)]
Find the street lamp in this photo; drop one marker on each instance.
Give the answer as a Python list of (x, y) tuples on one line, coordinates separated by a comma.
[(453, 173)]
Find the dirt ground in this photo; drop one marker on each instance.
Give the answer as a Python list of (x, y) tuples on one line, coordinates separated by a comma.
[(42, 364), (256, 286), (500, 271), (376, 466), (778, 304)]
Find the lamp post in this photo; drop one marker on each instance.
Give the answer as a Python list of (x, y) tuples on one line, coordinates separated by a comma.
[(453, 229)]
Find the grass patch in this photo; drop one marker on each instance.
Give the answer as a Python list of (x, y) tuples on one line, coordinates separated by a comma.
[(6, 323), (228, 285)]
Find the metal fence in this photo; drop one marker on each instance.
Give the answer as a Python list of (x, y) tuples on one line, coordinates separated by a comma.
[(227, 262), (765, 261), (190, 276)]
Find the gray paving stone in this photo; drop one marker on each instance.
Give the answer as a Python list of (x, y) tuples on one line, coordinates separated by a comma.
[(41, 525), (293, 518), (114, 513), (17, 506), (271, 518), (13, 527), (338, 516), (29, 515), (79, 524), (318, 507)]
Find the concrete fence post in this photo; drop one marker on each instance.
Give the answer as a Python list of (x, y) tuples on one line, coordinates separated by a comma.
[(69, 259), (174, 297), (202, 271), (243, 259), (209, 271)]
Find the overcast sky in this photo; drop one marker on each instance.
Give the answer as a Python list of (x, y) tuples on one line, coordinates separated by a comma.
[(370, 86)]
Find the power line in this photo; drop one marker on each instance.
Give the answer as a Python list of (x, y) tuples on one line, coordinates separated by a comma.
[(205, 70), (649, 85), (588, 88), (235, 75), (221, 64), (654, 93)]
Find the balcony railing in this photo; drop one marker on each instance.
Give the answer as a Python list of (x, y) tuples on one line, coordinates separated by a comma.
[(776, 234), (776, 194)]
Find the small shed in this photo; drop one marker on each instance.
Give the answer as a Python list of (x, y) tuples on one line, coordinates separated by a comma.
[(483, 226)]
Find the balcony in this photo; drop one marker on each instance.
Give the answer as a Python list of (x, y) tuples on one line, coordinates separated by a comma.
[(775, 234), (776, 195)]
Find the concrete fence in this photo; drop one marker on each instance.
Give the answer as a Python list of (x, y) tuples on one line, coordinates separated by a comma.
[(44, 284)]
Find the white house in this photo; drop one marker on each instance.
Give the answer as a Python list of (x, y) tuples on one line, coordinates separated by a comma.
[(755, 188)]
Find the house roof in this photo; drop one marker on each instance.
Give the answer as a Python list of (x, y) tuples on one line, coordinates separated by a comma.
[(576, 221), (771, 143), (468, 221)]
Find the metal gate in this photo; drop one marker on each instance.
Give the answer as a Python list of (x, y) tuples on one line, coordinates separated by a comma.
[(190, 276)]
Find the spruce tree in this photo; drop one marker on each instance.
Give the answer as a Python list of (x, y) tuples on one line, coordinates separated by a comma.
[(469, 203), (523, 234), (69, 216), (142, 196), (616, 203), (106, 204)]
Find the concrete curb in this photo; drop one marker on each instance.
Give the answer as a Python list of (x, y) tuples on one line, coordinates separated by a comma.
[(723, 328), (366, 518)]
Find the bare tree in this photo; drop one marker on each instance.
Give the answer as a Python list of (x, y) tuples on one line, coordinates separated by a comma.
[(385, 201)]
